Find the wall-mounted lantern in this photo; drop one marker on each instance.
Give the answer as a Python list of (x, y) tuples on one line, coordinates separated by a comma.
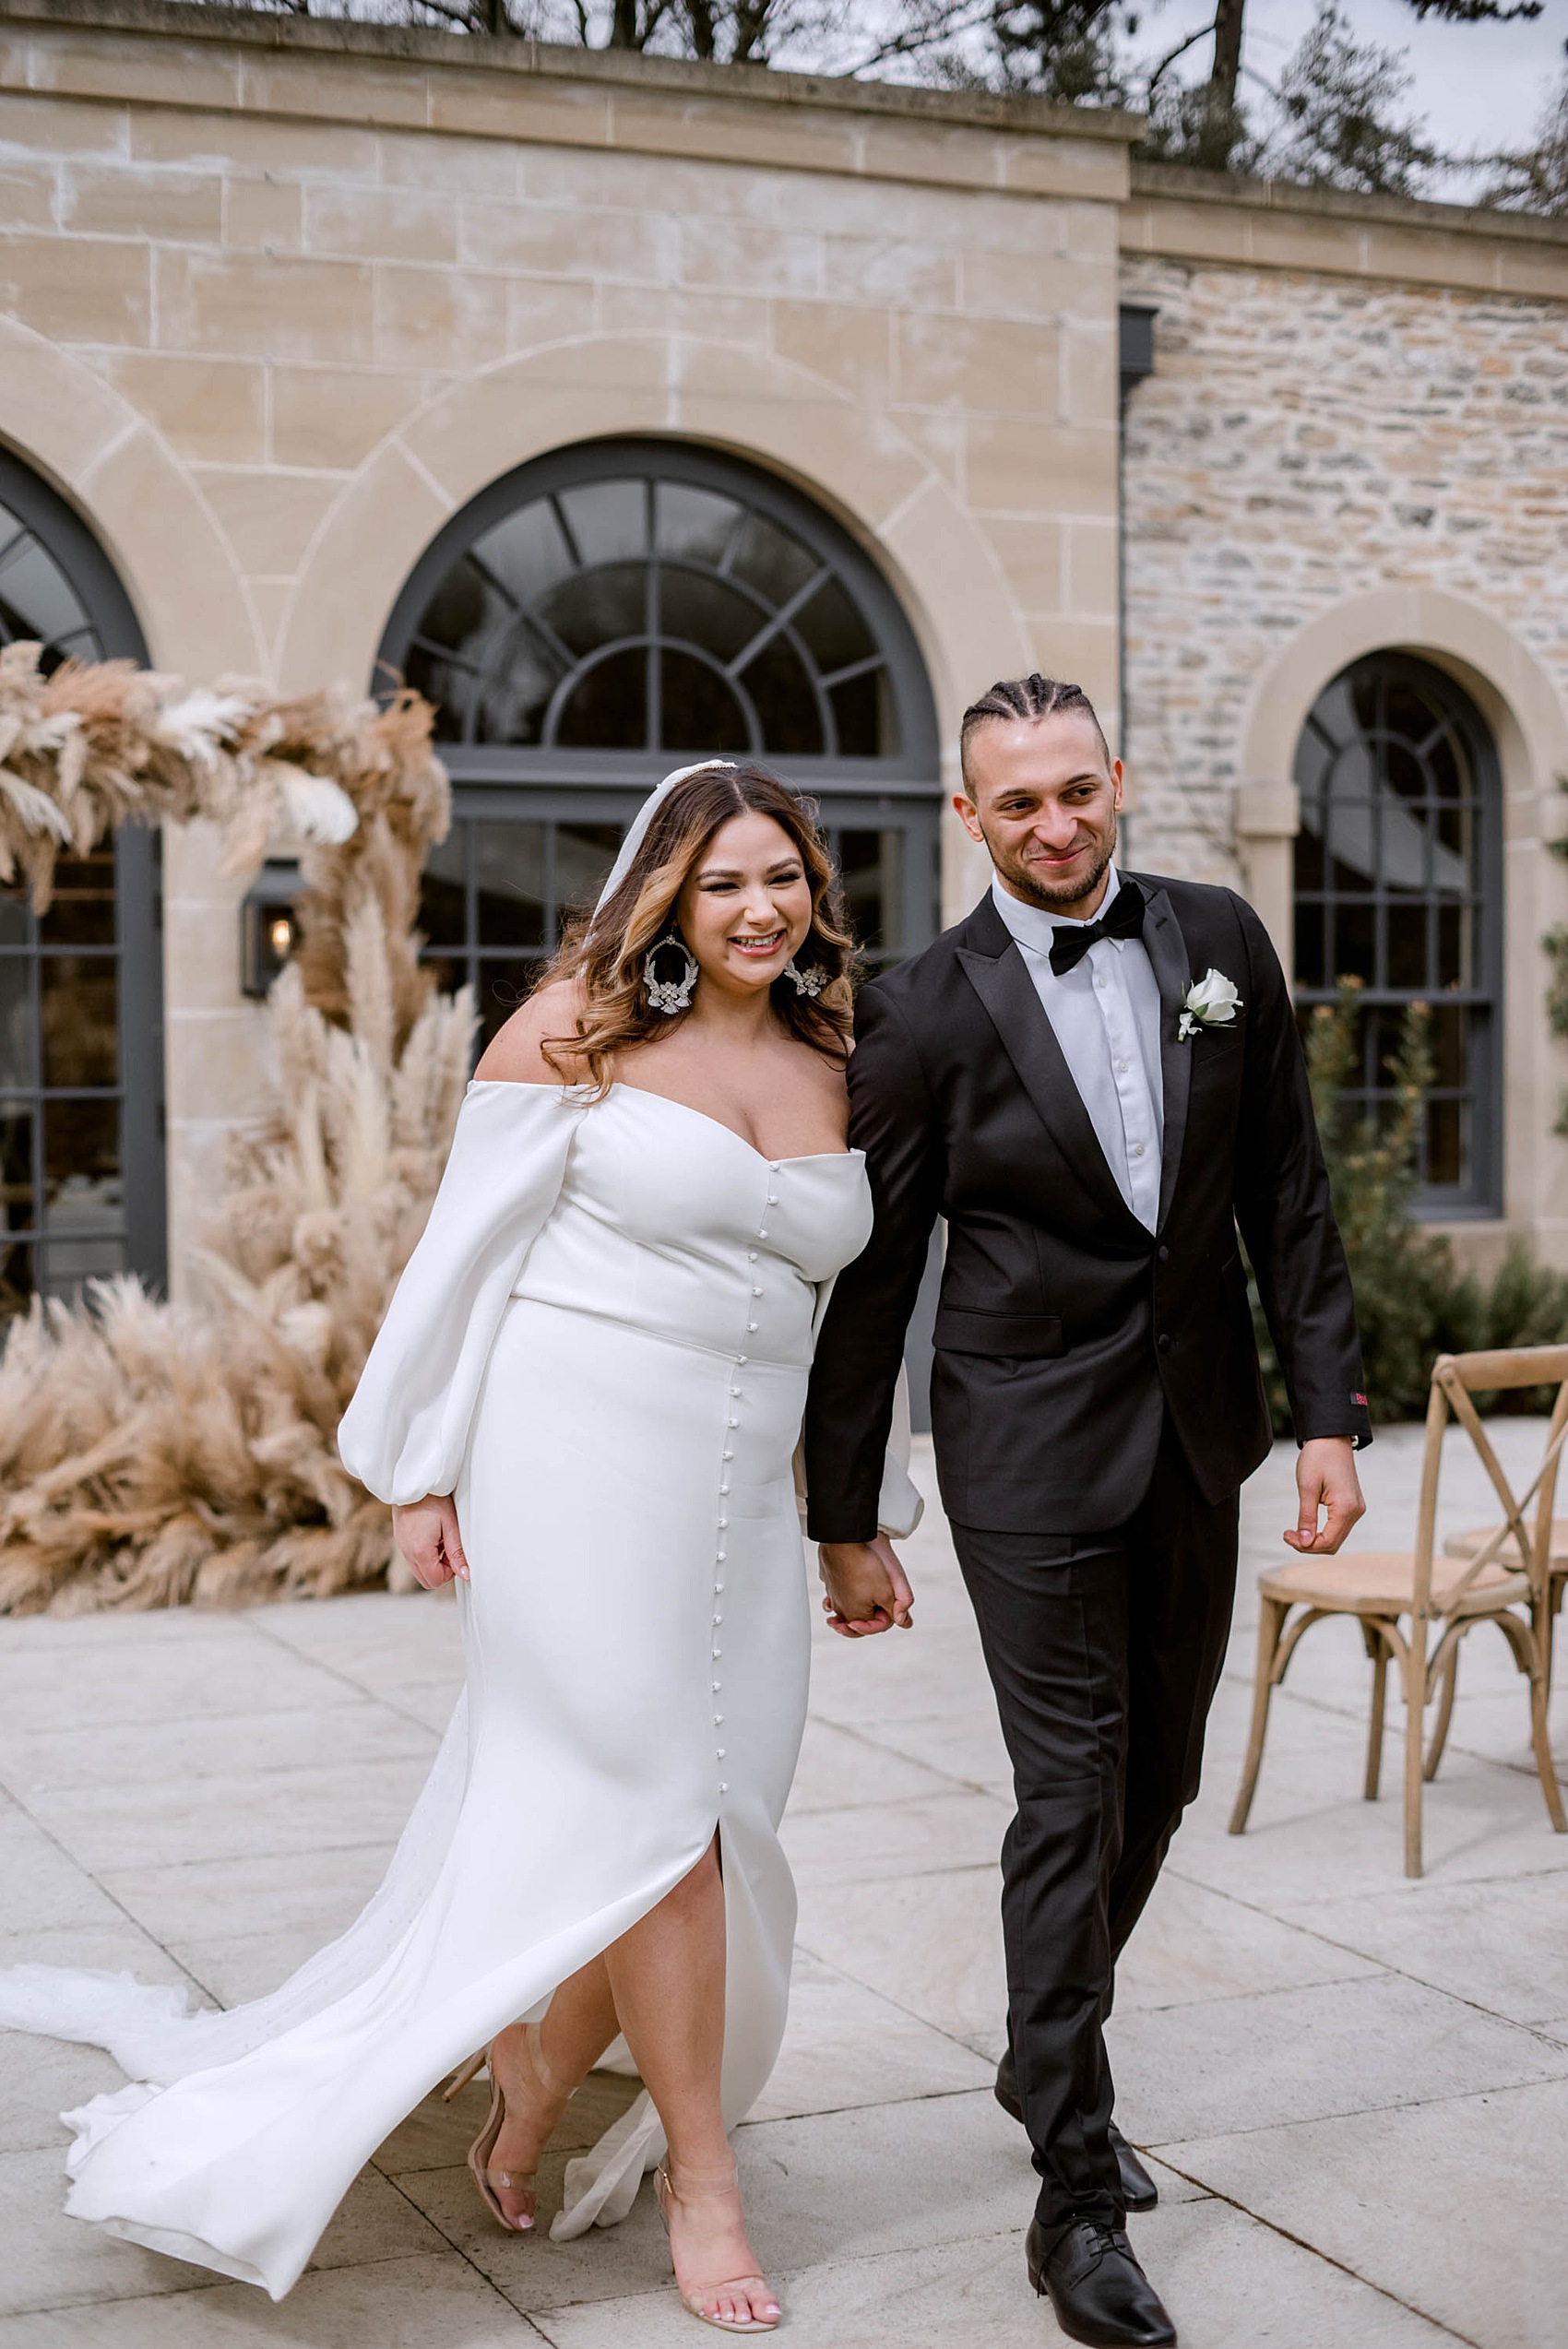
[(268, 923)]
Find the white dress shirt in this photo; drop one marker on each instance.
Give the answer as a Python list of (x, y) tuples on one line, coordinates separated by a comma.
[(1105, 1013)]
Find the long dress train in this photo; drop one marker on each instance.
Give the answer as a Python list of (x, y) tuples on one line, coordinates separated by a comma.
[(601, 1347)]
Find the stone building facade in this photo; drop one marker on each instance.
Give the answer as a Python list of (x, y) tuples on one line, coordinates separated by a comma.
[(326, 349)]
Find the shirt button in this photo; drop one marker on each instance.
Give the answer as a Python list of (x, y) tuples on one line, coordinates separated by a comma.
[(1122, 1066), (1137, 1149)]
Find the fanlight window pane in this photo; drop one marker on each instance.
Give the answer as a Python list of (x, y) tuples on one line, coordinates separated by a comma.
[(1396, 866), (640, 613), (699, 709), (36, 599), (607, 709)]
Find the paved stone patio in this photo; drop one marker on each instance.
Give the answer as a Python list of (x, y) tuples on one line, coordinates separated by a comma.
[(1356, 2088)]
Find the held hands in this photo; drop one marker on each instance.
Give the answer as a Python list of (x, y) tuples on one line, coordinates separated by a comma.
[(1326, 1479), (426, 1533), (867, 1589)]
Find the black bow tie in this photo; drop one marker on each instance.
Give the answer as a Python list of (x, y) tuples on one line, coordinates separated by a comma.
[(1125, 919)]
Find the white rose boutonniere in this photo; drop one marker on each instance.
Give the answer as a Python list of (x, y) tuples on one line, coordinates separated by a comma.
[(1210, 1001)]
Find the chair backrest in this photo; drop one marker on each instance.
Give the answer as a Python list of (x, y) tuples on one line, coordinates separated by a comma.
[(1454, 1379)]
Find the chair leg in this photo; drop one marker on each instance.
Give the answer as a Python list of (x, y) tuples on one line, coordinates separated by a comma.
[(1445, 1711), (1271, 1623), (1542, 1744), (1415, 1708), (1379, 1654)]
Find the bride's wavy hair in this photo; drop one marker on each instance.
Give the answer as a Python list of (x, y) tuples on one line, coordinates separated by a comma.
[(603, 954)]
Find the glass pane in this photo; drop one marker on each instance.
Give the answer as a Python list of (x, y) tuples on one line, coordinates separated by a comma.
[(16, 1209), (833, 630), (595, 608), (772, 561), (509, 884), (1353, 943), (81, 912), (36, 599), (862, 713), (84, 1207), (17, 1273), (608, 519), (443, 914), (449, 971), (1450, 1036), (871, 866), (1456, 932), (699, 710), (607, 709), (13, 918), (18, 1035), (697, 524), (1309, 852), (1407, 946), (503, 986), (1448, 765), (77, 1015), (1402, 770), (526, 552), (1310, 971), (706, 612), (583, 854), (784, 703), (1349, 838), (1404, 844), (1448, 1129)]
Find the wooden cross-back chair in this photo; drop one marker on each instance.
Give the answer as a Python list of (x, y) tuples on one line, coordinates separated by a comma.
[(1425, 1591)]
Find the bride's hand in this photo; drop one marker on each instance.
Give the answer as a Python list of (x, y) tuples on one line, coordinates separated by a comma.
[(426, 1533), (867, 1588)]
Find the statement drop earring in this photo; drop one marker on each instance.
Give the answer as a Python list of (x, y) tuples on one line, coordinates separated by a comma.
[(806, 982), (671, 995)]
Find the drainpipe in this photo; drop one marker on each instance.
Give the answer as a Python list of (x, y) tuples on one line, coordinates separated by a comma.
[(1135, 332)]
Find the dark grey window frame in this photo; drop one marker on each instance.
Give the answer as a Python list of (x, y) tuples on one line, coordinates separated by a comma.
[(114, 633), (1480, 1198)]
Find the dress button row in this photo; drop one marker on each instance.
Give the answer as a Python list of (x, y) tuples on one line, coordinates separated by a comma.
[(723, 1785)]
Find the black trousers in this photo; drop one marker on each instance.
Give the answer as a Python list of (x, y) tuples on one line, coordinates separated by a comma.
[(1105, 1651)]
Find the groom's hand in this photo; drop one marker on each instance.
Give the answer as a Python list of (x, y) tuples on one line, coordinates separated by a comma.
[(1326, 1479), (867, 1589)]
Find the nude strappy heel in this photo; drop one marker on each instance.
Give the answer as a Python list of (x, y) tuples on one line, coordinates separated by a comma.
[(552, 2088), (698, 2186)]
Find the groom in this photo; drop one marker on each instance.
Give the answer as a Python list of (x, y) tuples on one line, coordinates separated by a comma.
[(1096, 1078)]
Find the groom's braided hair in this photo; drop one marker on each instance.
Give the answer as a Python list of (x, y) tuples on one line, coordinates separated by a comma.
[(1013, 699)]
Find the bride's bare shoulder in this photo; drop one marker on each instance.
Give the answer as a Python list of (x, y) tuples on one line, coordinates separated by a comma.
[(515, 1054)]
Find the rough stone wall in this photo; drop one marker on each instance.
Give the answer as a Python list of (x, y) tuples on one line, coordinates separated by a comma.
[(1304, 439)]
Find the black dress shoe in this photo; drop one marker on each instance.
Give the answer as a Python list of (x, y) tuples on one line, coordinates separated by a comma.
[(1138, 2189), (1099, 2292)]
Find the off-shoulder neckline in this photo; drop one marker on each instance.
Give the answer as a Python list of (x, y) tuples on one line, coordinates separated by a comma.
[(803, 1159)]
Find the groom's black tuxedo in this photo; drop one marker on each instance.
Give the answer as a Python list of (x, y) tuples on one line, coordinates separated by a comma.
[(1095, 1405), (1066, 1329)]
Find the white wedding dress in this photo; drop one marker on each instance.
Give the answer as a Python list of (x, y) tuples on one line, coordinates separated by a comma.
[(601, 1347)]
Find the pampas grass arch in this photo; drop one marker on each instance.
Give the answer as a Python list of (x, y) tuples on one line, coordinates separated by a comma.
[(152, 1453)]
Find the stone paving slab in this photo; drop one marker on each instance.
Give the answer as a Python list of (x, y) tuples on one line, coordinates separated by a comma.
[(1358, 2087)]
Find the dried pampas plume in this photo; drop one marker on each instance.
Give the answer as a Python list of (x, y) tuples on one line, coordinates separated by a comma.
[(154, 1454)]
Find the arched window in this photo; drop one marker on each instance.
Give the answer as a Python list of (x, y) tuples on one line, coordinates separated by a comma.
[(602, 613), (81, 1150), (1399, 885)]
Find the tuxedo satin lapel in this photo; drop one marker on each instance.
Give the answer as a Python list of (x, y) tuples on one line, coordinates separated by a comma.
[(1003, 983), (1167, 952)]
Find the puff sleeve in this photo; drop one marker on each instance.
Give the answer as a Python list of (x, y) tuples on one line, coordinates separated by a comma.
[(405, 1434)]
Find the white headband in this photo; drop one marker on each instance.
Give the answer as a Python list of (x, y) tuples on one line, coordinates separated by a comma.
[(637, 831)]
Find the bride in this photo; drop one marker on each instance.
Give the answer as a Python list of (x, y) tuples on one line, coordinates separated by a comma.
[(583, 1405)]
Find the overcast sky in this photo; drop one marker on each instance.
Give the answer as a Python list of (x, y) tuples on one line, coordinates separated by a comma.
[(1478, 85)]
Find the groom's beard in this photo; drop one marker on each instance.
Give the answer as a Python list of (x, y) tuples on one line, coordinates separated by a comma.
[(1023, 879)]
